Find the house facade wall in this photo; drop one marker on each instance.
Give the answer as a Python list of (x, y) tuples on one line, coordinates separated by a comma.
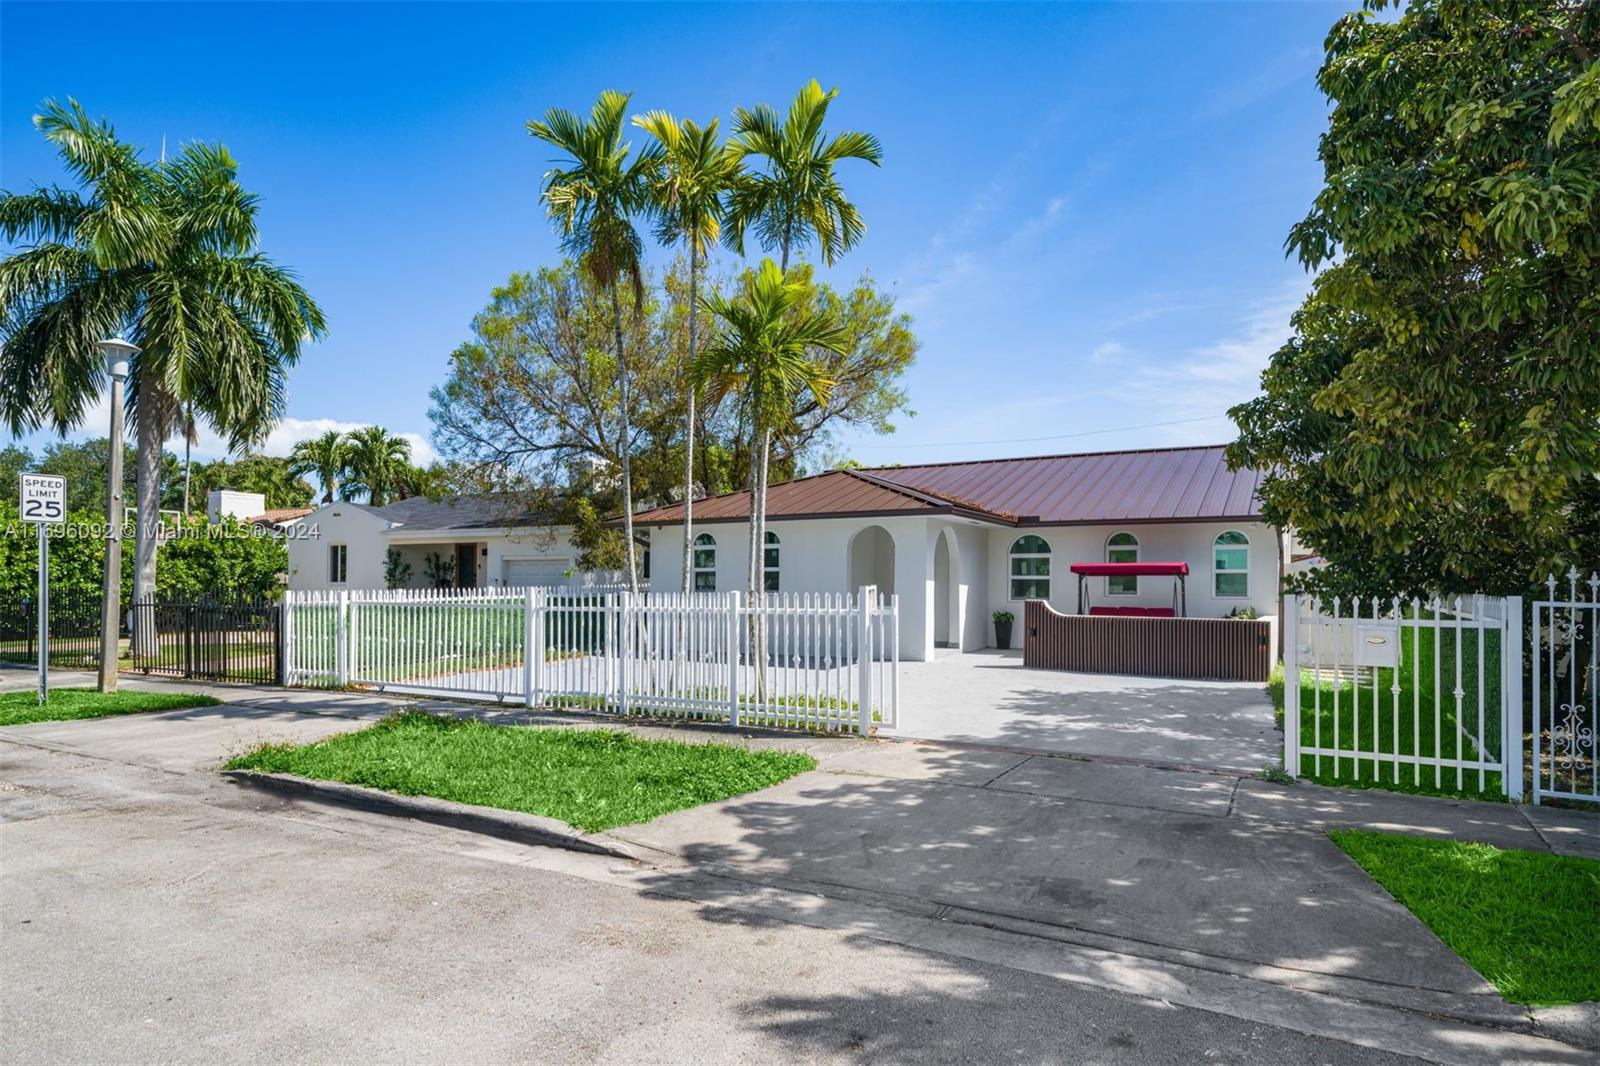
[(368, 538), (309, 539), (1190, 542), (970, 580)]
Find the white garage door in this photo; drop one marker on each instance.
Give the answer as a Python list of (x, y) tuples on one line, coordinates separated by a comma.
[(520, 572)]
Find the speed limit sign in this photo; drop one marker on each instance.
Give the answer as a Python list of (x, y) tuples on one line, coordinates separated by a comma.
[(44, 499), (43, 503)]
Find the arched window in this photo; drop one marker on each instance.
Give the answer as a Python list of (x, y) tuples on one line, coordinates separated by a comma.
[(1030, 568), (705, 563), (769, 564), (1230, 564), (1122, 548)]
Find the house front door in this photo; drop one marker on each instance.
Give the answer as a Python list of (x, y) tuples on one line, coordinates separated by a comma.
[(466, 566)]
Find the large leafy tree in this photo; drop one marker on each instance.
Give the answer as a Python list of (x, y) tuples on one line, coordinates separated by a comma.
[(593, 195), (794, 197), (379, 465), (688, 191), (166, 254), (1434, 423), (272, 476), (325, 457), (531, 401), (763, 351)]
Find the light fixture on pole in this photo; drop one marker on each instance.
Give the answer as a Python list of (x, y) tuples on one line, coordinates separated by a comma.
[(117, 352)]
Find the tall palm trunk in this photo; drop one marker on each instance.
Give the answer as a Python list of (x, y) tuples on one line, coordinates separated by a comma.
[(147, 509), (689, 426), (627, 439)]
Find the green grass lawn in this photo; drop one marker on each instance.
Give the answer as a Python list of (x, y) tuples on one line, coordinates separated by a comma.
[(1525, 920), (66, 704), (1421, 718), (592, 779)]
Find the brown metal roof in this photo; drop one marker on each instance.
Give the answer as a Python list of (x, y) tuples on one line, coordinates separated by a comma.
[(1150, 485), (835, 494)]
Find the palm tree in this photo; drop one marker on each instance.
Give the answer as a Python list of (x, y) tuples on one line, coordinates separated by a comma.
[(687, 199), (592, 196), (379, 462), (763, 352), (326, 457), (165, 254), (797, 198)]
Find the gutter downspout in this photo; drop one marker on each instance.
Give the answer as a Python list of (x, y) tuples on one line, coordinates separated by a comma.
[(1282, 573)]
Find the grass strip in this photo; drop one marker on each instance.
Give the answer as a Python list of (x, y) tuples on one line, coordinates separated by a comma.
[(1525, 920), (67, 704), (590, 778)]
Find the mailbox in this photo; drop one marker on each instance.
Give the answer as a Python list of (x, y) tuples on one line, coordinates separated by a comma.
[(1378, 644)]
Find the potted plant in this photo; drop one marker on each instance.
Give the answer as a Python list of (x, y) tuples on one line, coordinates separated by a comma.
[(1002, 629)]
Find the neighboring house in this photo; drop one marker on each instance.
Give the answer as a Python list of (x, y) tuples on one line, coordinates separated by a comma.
[(959, 541), (481, 541), (280, 518)]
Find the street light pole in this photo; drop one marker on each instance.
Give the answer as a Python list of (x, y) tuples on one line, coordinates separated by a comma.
[(117, 352)]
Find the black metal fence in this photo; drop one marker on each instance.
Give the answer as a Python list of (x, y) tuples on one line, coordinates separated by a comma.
[(208, 639), (74, 632)]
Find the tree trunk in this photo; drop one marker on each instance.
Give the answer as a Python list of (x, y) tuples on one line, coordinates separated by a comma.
[(187, 467), (688, 444), (627, 440), (147, 528), (760, 538)]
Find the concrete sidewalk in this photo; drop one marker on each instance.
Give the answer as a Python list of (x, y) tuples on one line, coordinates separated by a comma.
[(1210, 869)]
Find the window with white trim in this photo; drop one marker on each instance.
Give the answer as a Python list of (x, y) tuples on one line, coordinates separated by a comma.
[(1030, 568), (1122, 548), (1230, 565), (769, 564), (338, 564), (705, 563)]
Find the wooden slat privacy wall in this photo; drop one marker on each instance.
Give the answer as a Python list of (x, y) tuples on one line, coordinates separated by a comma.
[(1211, 649)]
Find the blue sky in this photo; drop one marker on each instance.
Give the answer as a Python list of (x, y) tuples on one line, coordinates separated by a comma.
[(1082, 206)]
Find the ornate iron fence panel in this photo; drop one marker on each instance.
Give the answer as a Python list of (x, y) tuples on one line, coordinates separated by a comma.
[(1566, 691)]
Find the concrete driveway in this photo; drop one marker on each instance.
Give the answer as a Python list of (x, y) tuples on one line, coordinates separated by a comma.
[(989, 697)]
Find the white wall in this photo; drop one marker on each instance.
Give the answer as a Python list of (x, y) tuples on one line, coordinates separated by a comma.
[(336, 523), (1190, 542), (815, 557), (241, 505)]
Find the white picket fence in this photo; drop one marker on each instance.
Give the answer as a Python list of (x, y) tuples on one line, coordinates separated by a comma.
[(1425, 693), (831, 661)]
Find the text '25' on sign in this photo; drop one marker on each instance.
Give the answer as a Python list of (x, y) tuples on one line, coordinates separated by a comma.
[(44, 499)]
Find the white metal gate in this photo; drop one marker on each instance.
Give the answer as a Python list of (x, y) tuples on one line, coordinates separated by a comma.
[(1566, 691), (1416, 693), (823, 661)]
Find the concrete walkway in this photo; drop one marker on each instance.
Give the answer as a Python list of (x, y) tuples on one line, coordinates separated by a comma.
[(1215, 870), (989, 697)]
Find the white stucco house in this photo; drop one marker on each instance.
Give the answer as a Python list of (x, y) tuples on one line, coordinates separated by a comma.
[(959, 541), (483, 541)]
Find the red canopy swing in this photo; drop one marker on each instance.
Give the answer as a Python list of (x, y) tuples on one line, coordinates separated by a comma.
[(1180, 592)]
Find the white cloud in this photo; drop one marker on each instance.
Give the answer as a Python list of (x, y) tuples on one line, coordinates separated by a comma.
[(1214, 376), (1106, 351), (210, 446)]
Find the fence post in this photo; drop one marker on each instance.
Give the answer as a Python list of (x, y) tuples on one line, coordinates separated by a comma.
[(864, 597), (341, 637), (1291, 684), (531, 652), (1511, 702), (280, 643), (624, 646), (733, 660)]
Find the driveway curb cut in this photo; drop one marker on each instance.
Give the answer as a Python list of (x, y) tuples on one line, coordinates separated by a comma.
[(514, 826)]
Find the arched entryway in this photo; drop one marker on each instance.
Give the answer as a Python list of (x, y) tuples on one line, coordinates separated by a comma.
[(946, 591), (872, 559)]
